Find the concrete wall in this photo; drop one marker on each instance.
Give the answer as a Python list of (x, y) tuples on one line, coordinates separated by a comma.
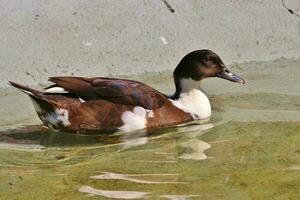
[(41, 38)]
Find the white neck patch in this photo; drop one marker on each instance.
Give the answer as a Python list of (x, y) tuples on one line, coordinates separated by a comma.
[(192, 100), (188, 84)]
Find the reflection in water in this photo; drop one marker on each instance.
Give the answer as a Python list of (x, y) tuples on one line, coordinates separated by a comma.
[(156, 161), (131, 178), (114, 194), (133, 139), (21, 147), (39, 136), (179, 197), (194, 147), (198, 147), (128, 177), (129, 194), (294, 167)]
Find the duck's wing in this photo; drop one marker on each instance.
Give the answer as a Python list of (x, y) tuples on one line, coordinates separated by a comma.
[(120, 91)]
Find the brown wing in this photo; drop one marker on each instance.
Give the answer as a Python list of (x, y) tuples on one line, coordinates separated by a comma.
[(118, 91)]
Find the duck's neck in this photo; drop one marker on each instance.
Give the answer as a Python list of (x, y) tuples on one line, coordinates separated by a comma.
[(190, 98), (185, 85)]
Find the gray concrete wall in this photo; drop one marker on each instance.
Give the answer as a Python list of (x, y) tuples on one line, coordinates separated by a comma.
[(41, 38)]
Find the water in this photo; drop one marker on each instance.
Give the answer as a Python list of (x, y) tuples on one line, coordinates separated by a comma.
[(249, 150)]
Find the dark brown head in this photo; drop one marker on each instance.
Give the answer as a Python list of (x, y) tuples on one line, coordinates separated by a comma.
[(201, 64)]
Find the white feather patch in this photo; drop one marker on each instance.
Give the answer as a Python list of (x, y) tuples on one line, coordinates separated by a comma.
[(36, 106), (27, 92), (59, 116), (56, 90), (134, 120), (150, 113), (194, 102), (81, 100), (188, 84)]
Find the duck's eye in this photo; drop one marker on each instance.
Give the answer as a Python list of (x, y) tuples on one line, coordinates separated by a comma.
[(207, 60), (226, 70)]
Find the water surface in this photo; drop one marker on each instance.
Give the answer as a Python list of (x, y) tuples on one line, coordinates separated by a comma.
[(249, 150)]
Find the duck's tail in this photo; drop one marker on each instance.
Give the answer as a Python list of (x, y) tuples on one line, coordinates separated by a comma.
[(41, 102), (27, 90)]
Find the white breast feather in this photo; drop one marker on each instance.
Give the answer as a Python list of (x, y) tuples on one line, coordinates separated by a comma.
[(135, 119), (192, 100)]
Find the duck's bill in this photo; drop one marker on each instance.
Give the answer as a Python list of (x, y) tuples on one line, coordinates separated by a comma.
[(231, 77)]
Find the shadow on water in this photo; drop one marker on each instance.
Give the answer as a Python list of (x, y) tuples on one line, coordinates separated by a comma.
[(41, 135)]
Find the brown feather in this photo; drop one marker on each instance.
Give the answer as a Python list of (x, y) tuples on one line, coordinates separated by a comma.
[(120, 91)]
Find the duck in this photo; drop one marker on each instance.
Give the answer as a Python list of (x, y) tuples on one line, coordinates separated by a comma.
[(91, 105)]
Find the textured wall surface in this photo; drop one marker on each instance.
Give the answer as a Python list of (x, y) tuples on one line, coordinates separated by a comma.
[(41, 38)]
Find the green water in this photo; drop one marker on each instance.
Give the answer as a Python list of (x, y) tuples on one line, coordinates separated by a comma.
[(249, 150)]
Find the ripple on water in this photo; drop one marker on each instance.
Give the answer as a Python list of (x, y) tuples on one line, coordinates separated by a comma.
[(129, 177), (113, 194), (253, 138)]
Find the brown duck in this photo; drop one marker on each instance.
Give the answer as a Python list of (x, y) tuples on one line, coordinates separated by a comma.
[(98, 104)]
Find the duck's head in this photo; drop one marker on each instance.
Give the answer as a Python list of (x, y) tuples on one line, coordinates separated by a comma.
[(198, 65)]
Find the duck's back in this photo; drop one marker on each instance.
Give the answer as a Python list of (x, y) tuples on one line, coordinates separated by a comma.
[(88, 105)]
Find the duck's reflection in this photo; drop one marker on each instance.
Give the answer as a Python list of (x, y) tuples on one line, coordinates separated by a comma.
[(163, 149), (133, 139), (198, 147), (186, 136)]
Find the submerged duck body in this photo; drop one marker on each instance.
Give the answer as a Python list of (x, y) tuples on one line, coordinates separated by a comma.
[(90, 105)]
